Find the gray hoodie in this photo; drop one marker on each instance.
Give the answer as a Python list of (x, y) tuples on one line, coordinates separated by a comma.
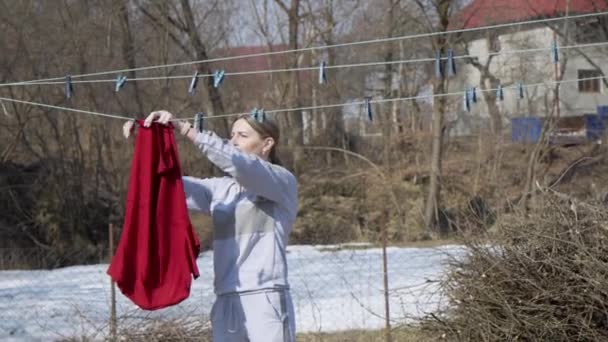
[(253, 212)]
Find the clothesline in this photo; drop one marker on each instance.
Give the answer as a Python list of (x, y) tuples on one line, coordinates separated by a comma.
[(312, 68), (420, 97), (363, 42)]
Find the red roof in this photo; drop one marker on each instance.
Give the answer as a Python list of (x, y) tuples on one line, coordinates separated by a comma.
[(491, 12)]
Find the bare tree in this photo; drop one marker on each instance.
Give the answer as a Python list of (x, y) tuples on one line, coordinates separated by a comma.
[(440, 15)]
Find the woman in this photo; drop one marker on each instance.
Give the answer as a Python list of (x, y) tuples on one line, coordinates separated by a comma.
[(253, 211)]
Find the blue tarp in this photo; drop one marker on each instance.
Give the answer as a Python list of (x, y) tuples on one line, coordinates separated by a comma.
[(526, 129)]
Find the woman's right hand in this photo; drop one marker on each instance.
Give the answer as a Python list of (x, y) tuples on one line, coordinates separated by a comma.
[(127, 128)]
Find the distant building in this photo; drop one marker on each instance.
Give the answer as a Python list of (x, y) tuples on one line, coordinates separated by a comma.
[(576, 98)]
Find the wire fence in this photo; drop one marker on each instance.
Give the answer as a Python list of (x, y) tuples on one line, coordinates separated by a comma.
[(334, 288)]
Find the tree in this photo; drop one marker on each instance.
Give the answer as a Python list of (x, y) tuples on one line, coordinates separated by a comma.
[(441, 9)]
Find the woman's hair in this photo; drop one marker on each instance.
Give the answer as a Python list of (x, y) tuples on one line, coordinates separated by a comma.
[(265, 129)]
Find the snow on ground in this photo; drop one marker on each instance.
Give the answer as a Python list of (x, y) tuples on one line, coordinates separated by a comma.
[(333, 289)]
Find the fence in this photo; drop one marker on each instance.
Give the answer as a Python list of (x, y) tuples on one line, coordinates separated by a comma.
[(334, 288)]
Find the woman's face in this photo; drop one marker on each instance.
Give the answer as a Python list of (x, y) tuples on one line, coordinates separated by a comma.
[(246, 139)]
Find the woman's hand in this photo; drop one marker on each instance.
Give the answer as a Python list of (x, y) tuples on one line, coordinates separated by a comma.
[(127, 128), (161, 116)]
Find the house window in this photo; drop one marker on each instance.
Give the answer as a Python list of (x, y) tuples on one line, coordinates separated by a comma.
[(586, 85)]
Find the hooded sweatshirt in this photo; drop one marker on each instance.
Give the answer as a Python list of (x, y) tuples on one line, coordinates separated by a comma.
[(253, 210)]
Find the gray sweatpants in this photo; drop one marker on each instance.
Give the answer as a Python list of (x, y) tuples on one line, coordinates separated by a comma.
[(260, 316)]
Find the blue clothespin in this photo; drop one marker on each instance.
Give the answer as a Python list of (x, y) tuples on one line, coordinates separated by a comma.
[(322, 73), (193, 83), (473, 96), (218, 77), (451, 63), (69, 88), (199, 121), (258, 115), (438, 70), (368, 108), (500, 94), (520, 90), (120, 82), (554, 52), (466, 104)]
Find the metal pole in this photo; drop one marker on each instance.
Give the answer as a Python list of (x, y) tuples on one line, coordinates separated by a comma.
[(387, 327), (112, 287)]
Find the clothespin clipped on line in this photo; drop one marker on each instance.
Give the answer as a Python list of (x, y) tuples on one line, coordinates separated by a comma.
[(500, 94), (258, 115), (218, 78), (473, 96), (322, 73), (199, 122), (438, 71), (520, 90), (69, 88), (451, 63), (554, 52), (368, 108), (120, 82), (193, 83), (466, 104)]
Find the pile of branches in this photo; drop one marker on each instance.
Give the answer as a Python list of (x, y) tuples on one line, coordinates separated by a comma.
[(543, 276)]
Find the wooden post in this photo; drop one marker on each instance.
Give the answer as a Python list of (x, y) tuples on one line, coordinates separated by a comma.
[(112, 287), (387, 327)]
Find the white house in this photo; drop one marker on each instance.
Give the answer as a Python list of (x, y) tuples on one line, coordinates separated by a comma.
[(508, 67)]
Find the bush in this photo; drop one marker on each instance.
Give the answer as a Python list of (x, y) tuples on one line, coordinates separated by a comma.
[(544, 276)]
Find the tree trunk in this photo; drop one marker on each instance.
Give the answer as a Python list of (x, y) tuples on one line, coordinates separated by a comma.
[(291, 122), (217, 106), (432, 203), (128, 52)]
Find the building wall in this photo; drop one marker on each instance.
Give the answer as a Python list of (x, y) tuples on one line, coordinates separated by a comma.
[(531, 68)]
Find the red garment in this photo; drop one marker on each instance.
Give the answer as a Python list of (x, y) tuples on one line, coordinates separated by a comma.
[(157, 251)]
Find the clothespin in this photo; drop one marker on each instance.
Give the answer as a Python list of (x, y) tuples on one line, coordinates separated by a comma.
[(554, 52), (500, 94), (193, 83), (199, 121), (520, 90), (466, 104), (451, 63), (368, 108), (322, 73), (438, 70), (473, 96), (120, 82), (69, 88), (218, 77), (258, 114)]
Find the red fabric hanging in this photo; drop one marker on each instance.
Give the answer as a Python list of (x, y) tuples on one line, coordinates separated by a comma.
[(156, 256)]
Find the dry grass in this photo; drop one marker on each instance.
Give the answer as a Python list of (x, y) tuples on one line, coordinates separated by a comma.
[(398, 335)]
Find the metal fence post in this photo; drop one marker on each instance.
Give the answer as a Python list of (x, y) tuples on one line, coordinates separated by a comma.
[(112, 287)]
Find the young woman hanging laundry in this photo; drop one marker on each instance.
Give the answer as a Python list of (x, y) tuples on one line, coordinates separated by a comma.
[(253, 210)]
